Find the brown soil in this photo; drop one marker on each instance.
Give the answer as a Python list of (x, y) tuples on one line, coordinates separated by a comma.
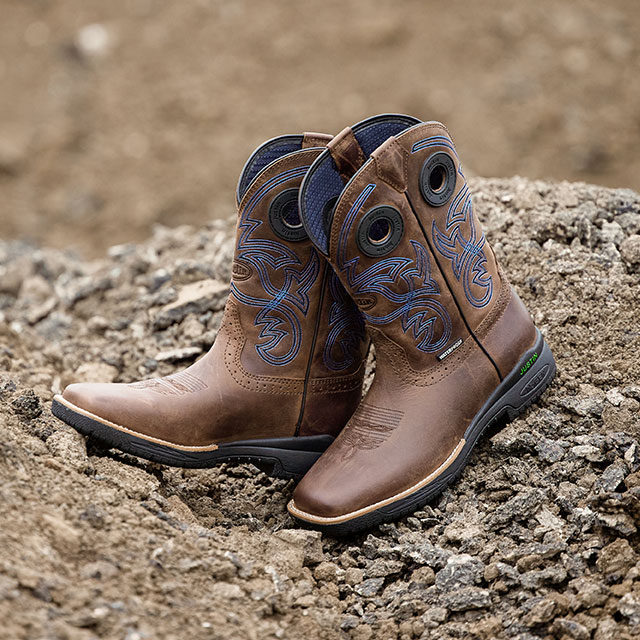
[(149, 117), (538, 539)]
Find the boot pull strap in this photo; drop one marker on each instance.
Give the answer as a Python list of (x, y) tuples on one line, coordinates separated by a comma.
[(311, 139), (392, 164), (346, 153)]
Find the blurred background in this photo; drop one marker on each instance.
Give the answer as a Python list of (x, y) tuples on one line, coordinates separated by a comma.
[(116, 115)]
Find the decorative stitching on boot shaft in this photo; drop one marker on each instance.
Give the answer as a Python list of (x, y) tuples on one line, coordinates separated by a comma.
[(346, 328), (465, 251), (280, 309), (232, 329), (232, 359), (401, 366), (403, 281)]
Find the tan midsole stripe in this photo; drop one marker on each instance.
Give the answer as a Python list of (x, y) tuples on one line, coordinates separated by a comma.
[(137, 434), (360, 512)]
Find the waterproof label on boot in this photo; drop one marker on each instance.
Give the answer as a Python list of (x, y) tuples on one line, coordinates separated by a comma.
[(450, 350)]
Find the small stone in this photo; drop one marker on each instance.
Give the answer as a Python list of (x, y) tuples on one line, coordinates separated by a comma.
[(157, 279), (64, 536), (565, 628), (95, 372), (491, 572), (587, 451), (549, 451), (384, 568), (195, 298), (621, 522), (353, 576), (178, 355), (612, 232), (349, 622), (630, 251), (460, 570), (290, 549), (369, 588), (467, 598), (590, 593), (614, 397), (226, 591), (506, 575), (83, 287), (424, 575), (616, 558), (41, 311), (522, 505), (68, 445), (326, 571), (191, 328), (588, 402), (632, 480), (529, 562), (629, 607), (27, 404), (611, 477), (434, 616), (542, 610)]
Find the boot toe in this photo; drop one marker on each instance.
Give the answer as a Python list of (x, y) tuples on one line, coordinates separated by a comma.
[(320, 499), (94, 397)]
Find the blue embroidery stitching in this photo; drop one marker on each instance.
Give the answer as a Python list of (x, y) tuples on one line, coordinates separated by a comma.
[(416, 307), (277, 315), (467, 256), (346, 328)]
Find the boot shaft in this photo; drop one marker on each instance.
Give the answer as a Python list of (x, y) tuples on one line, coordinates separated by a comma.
[(406, 243), (300, 332)]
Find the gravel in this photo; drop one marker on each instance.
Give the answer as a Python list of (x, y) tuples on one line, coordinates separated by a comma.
[(538, 539)]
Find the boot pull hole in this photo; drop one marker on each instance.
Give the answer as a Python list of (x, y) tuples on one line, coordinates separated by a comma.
[(291, 215), (379, 231), (438, 178), (284, 217)]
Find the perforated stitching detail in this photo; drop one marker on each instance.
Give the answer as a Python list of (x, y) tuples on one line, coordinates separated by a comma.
[(233, 350), (406, 373), (338, 384)]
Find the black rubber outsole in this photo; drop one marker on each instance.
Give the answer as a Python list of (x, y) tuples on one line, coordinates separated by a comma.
[(524, 385), (287, 458)]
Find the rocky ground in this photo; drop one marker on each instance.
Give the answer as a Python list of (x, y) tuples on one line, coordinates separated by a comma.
[(539, 538)]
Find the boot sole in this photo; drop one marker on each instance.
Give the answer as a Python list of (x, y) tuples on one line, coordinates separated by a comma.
[(287, 458), (523, 386)]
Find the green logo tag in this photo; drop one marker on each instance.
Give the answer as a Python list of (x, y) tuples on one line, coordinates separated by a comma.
[(528, 364)]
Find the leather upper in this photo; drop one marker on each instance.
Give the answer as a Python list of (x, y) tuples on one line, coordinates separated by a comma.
[(445, 323), (289, 357)]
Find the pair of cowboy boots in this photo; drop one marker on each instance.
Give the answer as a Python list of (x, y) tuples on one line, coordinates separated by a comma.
[(368, 235)]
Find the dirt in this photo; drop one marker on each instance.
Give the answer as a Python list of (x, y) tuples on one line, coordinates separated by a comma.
[(115, 116), (538, 539)]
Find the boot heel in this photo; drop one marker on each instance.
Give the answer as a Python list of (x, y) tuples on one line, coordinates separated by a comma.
[(524, 385), (533, 377)]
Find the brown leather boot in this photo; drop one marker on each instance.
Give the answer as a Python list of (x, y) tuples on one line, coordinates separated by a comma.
[(455, 347), (285, 372)]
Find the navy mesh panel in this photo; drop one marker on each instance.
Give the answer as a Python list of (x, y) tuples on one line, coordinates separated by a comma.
[(321, 185), (371, 136), (323, 182), (264, 156)]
